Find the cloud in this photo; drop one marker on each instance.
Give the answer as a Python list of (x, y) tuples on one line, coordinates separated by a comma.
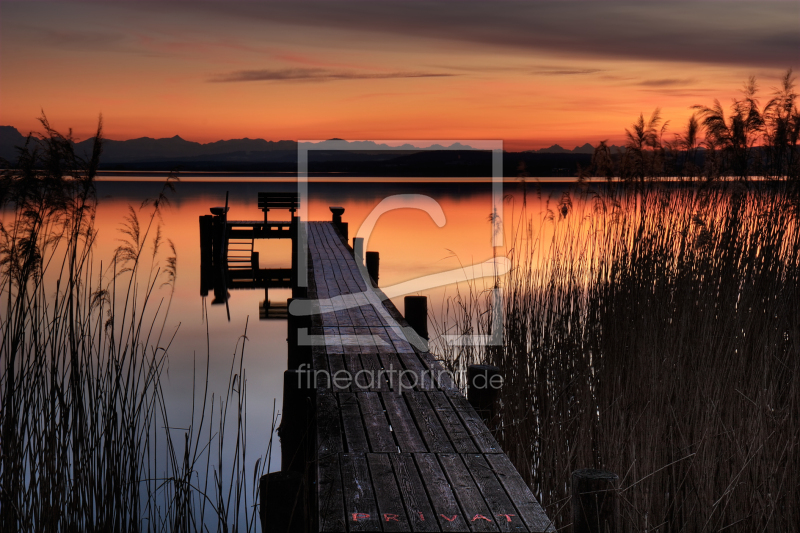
[(668, 82), (740, 33), (80, 40), (565, 72), (316, 75)]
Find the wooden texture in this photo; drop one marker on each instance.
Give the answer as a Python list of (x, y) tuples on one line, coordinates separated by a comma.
[(399, 449), (359, 498), (390, 504)]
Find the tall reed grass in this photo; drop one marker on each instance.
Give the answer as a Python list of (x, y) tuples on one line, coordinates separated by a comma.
[(658, 338), (86, 439), (652, 328)]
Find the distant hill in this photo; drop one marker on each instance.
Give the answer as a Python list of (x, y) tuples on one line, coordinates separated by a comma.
[(176, 148), (585, 149), (354, 158), (9, 138)]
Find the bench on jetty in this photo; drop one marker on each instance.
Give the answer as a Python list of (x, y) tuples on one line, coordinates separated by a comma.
[(228, 259), (374, 434)]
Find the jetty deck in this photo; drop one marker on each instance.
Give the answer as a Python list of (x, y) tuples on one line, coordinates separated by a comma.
[(398, 448)]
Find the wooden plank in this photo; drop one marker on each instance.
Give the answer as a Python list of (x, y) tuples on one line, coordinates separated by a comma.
[(330, 499), (339, 375), (448, 513), (419, 510), (329, 429), (395, 372), (443, 379), (349, 340), (424, 377), (403, 427), (342, 317), (505, 514), (459, 436), (359, 498), (353, 363), (355, 437), (474, 424), (521, 496), (386, 345), (378, 433), (369, 314), (469, 497), (428, 423), (401, 344), (356, 318), (390, 504), (329, 318), (333, 343), (319, 360), (372, 365), (366, 341)]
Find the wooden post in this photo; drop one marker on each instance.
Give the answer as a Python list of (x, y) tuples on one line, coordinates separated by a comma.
[(337, 212), (282, 506), (594, 501), (483, 387), (297, 429), (417, 314), (337, 220), (358, 249), (373, 265), (297, 290), (297, 354), (254, 263), (220, 253), (294, 230), (206, 254)]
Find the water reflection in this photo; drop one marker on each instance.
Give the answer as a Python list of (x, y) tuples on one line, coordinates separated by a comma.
[(410, 243)]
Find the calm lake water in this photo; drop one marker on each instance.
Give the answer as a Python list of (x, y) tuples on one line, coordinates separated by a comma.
[(409, 242)]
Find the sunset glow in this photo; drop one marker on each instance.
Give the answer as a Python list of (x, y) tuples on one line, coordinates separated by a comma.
[(532, 74)]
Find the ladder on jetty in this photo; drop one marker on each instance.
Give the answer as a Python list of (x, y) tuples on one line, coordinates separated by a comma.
[(381, 440), (228, 259)]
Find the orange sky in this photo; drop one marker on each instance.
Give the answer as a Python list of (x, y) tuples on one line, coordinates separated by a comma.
[(532, 74)]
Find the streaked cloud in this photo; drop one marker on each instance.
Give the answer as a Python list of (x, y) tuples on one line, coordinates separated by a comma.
[(566, 72), (743, 33), (80, 40), (667, 82), (317, 75)]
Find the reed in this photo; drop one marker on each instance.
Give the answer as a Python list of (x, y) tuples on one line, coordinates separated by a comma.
[(86, 440), (652, 328)]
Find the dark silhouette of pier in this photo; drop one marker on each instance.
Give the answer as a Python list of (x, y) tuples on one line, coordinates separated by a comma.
[(375, 436)]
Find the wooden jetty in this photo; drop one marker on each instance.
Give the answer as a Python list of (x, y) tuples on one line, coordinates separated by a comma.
[(373, 427)]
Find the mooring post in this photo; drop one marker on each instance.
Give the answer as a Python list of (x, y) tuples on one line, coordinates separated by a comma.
[(358, 249), (297, 353), (595, 507), (483, 387), (337, 220), (373, 265), (297, 430), (282, 505), (254, 263), (294, 231), (219, 253), (206, 253), (417, 314)]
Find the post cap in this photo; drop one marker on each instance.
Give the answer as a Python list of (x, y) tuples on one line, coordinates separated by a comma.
[(336, 210), (219, 210)]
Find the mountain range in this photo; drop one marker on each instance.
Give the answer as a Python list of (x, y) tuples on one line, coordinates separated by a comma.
[(176, 148), (334, 155)]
